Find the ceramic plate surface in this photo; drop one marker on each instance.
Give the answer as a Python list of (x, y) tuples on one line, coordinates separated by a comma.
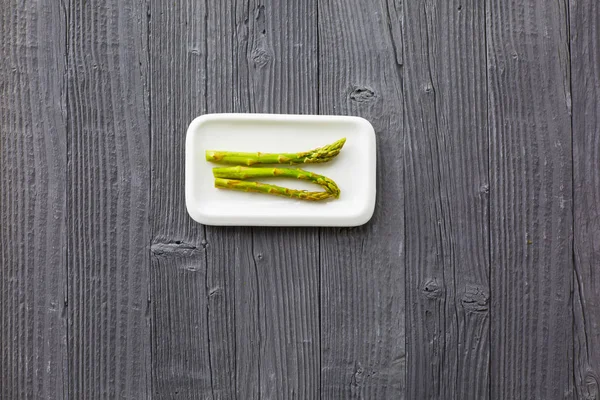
[(353, 169)]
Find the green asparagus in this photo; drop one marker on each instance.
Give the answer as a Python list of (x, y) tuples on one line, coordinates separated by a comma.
[(250, 186), (319, 155), (242, 173)]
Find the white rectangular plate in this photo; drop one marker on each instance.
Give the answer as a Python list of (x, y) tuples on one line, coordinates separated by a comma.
[(353, 169)]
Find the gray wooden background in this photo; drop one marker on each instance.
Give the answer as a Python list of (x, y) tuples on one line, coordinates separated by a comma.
[(477, 278)]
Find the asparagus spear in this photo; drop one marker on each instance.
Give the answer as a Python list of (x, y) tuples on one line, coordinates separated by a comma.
[(241, 173), (319, 155), (233, 178), (249, 186)]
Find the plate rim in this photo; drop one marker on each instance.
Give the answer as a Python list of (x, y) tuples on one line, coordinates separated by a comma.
[(360, 218)]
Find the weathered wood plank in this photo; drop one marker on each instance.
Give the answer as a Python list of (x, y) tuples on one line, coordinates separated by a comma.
[(195, 331), (231, 266), (362, 269), (181, 359), (250, 318), (33, 160), (585, 80), (107, 199), (446, 190), (530, 200), (283, 78), (262, 58)]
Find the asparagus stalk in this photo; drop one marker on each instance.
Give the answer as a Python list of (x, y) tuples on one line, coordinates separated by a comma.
[(249, 186), (242, 173), (319, 155), (234, 178)]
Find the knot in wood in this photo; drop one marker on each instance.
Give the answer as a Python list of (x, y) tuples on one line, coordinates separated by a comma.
[(261, 57), (432, 289), (475, 299), (591, 389), (362, 94), (165, 247)]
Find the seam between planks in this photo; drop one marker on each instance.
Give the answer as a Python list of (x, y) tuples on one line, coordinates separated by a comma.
[(567, 4), (149, 315), (489, 203), (319, 230), (66, 385)]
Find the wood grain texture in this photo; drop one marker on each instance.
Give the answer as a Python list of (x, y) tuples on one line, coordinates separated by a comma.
[(362, 269), (248, 316), (262, 58), (475, 279), (234, 297), (181, 359), (585, 82), (108, 190), (446, 191), (33, 159), (281, 57), (530, 200)]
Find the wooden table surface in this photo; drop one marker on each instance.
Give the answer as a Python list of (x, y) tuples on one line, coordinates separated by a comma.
[(477, 278)]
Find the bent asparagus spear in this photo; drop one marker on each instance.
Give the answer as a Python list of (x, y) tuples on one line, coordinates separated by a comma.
[(319, 155), (249, 186), (233, 178)]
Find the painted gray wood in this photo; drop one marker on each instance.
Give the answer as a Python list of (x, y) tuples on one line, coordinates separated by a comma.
[(531, 222), (256, 290), (107, 200), (585, 86), (33, 160), (362, 269), (181, 359), (282, 77), (232, 278), (475, 279), (447, 200)]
